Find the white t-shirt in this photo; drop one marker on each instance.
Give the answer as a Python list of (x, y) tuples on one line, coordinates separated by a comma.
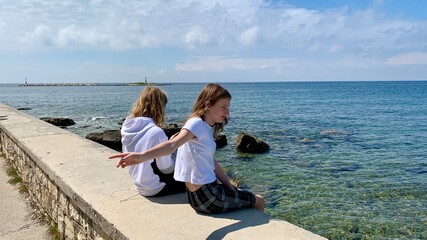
[(195, 158), (140, 134)]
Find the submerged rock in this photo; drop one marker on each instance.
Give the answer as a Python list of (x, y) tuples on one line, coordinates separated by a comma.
[(60, 122), (231, 177), (248, 144)]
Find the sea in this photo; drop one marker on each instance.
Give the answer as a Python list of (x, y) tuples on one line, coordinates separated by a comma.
[(347, 160)]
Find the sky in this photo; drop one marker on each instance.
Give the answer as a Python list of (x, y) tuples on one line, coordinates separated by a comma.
[(170, 41)]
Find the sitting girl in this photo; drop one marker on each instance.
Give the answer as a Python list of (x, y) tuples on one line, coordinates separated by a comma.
[(140, 132), (195, 164)]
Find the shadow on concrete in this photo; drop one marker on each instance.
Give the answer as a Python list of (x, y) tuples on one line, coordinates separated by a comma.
[(132, 195), (246, 218), (180, 198)]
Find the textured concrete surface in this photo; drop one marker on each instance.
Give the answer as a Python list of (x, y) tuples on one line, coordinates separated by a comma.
[(16, 221)]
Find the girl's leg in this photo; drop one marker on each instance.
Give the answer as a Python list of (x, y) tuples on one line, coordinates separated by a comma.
[(215, 198)]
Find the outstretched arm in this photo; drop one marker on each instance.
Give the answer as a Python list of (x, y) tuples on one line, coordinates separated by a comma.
[(163, 149), (220, 175)]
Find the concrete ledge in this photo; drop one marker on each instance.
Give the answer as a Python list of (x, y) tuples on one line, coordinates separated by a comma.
[(72, 180)]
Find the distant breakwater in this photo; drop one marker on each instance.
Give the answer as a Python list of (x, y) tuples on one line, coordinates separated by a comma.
[(89, 84), (56, 84)]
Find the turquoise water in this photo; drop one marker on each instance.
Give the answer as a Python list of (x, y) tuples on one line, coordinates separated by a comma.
[(348, 160)]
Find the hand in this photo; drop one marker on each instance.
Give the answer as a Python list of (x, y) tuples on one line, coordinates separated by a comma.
[(127, 159)]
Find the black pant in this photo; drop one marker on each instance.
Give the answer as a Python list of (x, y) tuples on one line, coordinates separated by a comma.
[(172, 186)]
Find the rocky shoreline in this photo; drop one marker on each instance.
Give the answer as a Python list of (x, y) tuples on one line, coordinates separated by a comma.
[(245, 143)]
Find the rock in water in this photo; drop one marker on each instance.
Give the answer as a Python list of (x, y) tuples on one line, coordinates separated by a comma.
[(171, 130), (112, 138), (108, 138), (221, 141), (248, 144), (60, 122)]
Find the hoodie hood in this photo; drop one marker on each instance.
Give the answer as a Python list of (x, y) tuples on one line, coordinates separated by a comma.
[(133, 128)]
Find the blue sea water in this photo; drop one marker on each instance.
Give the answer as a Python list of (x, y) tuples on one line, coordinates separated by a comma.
[(348, 160)]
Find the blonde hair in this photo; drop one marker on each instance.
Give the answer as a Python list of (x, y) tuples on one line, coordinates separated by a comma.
[(210, 94), (151, 103)]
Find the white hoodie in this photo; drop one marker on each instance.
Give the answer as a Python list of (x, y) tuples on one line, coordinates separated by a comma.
[(138, 135)]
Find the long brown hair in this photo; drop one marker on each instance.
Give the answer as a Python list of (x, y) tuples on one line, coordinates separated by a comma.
[(210, 94), (151, 103)]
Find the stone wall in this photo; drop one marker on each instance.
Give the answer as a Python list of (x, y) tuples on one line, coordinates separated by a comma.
[(72, 222)]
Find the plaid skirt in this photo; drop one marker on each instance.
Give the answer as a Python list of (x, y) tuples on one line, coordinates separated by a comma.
[(215, 198)]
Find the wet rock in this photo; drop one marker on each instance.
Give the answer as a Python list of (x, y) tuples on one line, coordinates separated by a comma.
[(60, 122), (221, 141), (121, 121), (108, 138), (171, 129), (112, 138), (248, 144)]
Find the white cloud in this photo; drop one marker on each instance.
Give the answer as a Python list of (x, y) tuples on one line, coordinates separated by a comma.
[(71, 35), (216, 63), (249, 36), (201, 25), (408, 58), (40, 36), (267, 33), (196, 36)]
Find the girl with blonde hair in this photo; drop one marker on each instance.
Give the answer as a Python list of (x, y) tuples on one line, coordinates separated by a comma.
[(195, 164), (141, 131)]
